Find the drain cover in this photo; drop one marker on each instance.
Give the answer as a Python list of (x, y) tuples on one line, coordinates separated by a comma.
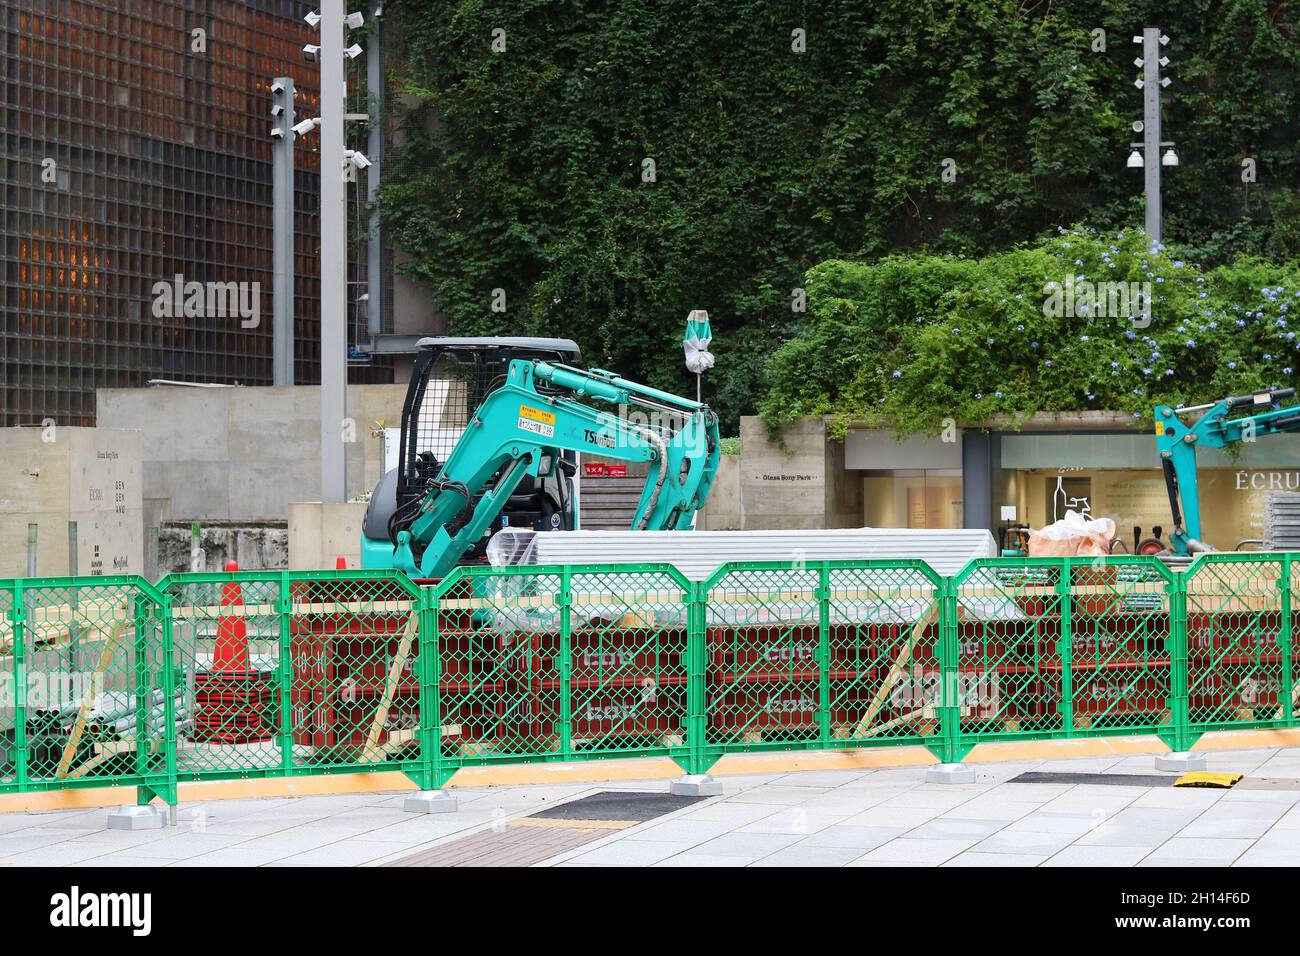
[(617, 805), (1104, 779), (552, 831)]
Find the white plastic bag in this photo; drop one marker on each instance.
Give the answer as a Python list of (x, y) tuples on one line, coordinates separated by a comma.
[(1072, 535)]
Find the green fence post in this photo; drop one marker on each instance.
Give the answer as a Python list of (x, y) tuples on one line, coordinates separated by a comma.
[(1287, 710), (824, 654), (566, 662), (1065, 646), (284, 673), (1182, 738), (18, 615), (430, 663), (164, 610), (143, 705), (695, 696), (949, 673)]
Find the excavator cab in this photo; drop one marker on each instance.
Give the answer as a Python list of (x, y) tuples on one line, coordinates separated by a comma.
[(450, 380)]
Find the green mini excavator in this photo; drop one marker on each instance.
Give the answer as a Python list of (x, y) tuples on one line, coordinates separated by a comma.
[(489, 436)]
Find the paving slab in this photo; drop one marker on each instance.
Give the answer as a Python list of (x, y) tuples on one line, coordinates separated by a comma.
[(882, 817), (932, 852)]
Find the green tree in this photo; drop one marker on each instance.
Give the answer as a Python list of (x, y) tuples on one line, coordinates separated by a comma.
[(523, 169)]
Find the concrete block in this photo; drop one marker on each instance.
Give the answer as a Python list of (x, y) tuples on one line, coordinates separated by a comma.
[(137, 818), (722, 512), (259, 491), (87, 475), (949, 773), (783, 485), (198, 490), (695, 785), (1184, 761), (430, 801), (320, 533), (177, 423)]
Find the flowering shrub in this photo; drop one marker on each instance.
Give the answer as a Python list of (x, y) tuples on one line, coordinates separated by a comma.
[(911, 341)]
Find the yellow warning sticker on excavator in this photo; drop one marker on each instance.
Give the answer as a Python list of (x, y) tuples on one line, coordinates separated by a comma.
[(1160, 428), (537, 421), (537, 414)]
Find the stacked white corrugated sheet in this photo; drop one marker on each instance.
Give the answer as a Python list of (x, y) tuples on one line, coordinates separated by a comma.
[(699, 553), (863, 597)]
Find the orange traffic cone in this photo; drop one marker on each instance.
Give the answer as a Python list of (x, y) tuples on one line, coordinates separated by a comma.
[(341, 563), (230, 699), (231, 652)]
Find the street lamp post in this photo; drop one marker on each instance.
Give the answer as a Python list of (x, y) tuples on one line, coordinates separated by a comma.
[(1151, 84), (333, 258), (282, 136)]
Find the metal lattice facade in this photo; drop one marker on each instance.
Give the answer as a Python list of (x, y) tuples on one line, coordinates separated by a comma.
[(131, 157)]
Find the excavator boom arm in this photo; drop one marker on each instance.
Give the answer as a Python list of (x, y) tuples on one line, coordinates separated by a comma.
[(1177, 443), (522, 428)]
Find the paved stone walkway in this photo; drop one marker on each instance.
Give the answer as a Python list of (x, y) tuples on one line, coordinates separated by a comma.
[(886, 817)]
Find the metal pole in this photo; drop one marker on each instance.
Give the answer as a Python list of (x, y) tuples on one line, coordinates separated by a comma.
[(375, 153), (31, 549), (74, 630), (333, 258), (1151, 128), (151, 553), (282, 204)]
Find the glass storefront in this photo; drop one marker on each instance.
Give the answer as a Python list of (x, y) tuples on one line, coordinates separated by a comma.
[(912, 499), (1118, 476), (1101, 474)]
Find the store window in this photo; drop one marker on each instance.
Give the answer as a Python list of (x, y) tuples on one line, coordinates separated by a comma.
[(912, 499)]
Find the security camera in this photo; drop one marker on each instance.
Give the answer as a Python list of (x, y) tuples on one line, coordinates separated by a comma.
[(358, 159), (312, 52), (353, 21), (277, 133), (313, 19), (354, 51), (277, 109), (1138, 126), (306, 126), (277, 87)]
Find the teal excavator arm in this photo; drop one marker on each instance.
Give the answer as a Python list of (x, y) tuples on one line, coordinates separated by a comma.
[(523, 427), (1177, 443)]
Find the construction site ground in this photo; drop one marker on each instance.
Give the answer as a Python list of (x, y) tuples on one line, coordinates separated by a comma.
[(1108, 811)]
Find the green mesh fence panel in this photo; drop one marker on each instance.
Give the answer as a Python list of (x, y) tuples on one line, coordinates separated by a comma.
[(763, 654), (91, 689), (353, 677), (485, 626), (824, 654), (535, 662), (1235, 668), (1290, 715), (1119, 645), (226, 651), (627, 652), (1009, 661), (111, 680), (1063, 647), (882, 663), (295, 672)]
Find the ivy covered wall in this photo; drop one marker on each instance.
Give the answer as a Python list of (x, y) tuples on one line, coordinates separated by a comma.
[(611, 165)]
